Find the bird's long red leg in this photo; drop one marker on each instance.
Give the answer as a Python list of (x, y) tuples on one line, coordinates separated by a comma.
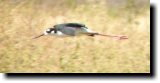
[(120, 37)]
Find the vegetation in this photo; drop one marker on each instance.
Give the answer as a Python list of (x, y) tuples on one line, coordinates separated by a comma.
[(23, 19)]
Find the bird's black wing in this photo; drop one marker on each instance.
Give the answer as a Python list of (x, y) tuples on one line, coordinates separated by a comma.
[(69, 28), (76, 25)]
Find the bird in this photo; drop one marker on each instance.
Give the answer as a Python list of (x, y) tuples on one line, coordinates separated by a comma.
[(74, 29)]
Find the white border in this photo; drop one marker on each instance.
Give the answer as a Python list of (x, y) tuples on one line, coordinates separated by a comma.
[(153, 2)]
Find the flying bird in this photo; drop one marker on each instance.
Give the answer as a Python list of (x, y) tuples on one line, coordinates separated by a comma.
[(74, 29)]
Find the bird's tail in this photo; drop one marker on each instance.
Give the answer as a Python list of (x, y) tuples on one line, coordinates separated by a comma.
[(119, 37)]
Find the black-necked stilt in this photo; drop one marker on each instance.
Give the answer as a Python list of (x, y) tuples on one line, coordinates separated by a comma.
[(73, 29)]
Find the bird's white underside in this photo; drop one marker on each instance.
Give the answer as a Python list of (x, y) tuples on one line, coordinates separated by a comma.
[(60, 34), (88, 30)]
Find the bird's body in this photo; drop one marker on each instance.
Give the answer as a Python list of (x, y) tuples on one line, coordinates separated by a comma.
[(73, 29), (68, 29)]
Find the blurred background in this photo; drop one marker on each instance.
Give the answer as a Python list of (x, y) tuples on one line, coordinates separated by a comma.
[(20, 20)]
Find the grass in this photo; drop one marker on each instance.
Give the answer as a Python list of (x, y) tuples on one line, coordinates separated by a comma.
[(22, 20)]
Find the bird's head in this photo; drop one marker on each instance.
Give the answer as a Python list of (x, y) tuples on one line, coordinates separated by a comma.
[(48, 31)]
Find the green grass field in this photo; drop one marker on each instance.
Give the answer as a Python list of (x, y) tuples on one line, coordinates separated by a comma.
[(22, 20)]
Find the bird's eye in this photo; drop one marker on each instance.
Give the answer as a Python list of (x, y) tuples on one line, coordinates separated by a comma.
[(48, 30)]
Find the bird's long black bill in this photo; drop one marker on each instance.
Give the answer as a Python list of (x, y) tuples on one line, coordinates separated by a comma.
[(38, 36)]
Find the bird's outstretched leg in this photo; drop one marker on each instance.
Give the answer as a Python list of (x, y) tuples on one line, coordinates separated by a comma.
[(92, 35), (119, 37)]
